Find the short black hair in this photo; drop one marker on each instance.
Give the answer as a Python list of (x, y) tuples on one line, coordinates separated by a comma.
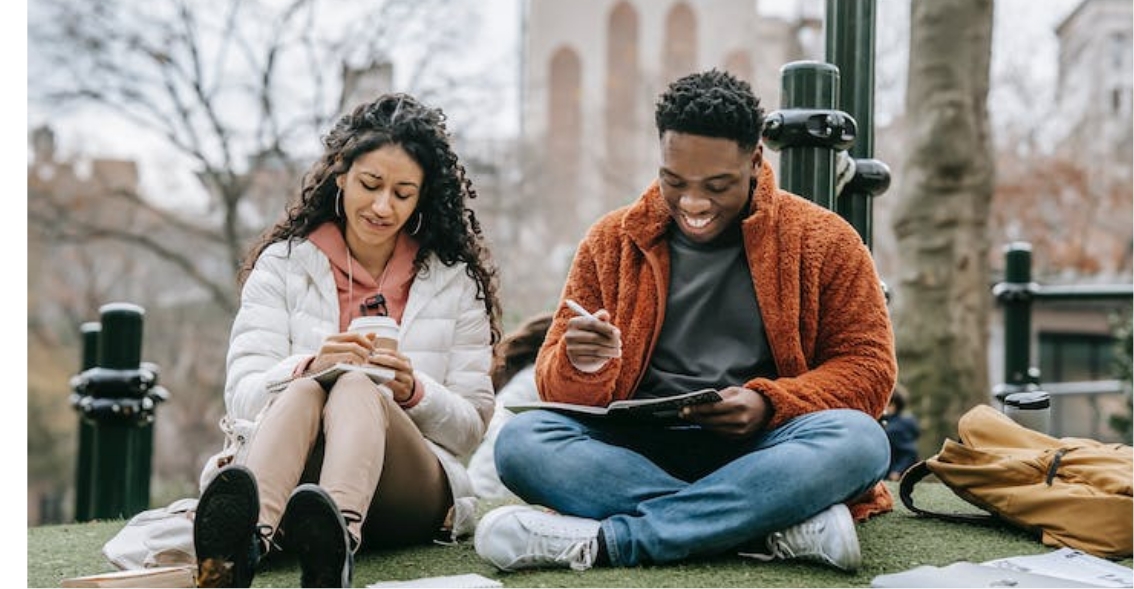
[(712, 104)]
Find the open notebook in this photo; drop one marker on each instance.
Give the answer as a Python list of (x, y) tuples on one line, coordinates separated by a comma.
[(656, 409), (328, 376), (171, 576)]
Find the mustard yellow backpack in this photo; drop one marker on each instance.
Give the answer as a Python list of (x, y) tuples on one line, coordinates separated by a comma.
[(1072, 492)]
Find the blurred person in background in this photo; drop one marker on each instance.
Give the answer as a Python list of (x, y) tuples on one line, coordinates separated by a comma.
[(903, 431), (514, 379)]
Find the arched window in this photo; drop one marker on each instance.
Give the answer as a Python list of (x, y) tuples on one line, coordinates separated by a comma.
[(739, 64), (679, 53), (564, 127), (622, 83)]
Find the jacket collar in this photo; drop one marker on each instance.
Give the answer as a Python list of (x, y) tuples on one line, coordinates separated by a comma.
[(316, 265), (422, 290)]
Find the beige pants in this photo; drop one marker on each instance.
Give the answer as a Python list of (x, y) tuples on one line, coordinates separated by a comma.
[(362, 449)]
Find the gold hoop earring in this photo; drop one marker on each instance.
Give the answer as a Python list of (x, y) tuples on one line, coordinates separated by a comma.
[(418, 227), (339, 203)]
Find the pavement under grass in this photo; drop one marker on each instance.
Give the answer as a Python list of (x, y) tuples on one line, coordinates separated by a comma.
[(890, 543)]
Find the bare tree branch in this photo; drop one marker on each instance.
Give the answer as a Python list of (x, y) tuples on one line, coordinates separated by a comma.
[(77, 230), (239, 89)]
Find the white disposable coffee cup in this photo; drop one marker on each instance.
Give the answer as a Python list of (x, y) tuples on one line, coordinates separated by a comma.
[(1031, 409), (385, 330)]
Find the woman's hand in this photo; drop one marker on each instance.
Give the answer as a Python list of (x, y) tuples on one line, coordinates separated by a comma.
[(739, 414), (349, 348), (402, 384)]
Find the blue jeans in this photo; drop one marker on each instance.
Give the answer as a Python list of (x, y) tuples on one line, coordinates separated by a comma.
[(664, 494)]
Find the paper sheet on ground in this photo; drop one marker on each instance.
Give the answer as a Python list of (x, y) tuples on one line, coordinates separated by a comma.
[(1073, 565), (469, 580)]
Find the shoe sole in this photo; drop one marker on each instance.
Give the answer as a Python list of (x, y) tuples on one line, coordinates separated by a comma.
[(316, 531), (223, 529)]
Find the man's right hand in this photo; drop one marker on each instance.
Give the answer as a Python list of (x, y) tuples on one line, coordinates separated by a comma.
[(591, 343), (741, 413)]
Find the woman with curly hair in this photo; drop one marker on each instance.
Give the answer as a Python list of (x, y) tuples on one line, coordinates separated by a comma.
[(381, 227)]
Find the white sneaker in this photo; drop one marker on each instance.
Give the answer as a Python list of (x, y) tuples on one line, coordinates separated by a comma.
[(519, 537), (828, 538)]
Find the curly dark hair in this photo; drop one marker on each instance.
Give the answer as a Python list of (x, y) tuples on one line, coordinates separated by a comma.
[(711, 104), (451, 230)]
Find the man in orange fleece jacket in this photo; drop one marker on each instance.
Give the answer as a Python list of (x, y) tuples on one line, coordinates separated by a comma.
[(713, 278)]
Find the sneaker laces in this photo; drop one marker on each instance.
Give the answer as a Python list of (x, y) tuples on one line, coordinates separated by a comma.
[(579, 554), (266, 534), (780, 543), (351, 516)]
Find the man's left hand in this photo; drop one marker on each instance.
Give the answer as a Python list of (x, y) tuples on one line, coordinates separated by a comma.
[(740, 413)]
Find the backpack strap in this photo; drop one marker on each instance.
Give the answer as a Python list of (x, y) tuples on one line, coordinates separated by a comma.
[(916, 473)]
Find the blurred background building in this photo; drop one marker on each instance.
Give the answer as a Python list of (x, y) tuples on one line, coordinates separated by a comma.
[(1086, 214)]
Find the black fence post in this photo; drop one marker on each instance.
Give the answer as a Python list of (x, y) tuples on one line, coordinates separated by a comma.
[(809, 129), (116, 399), (850, 27), (90, 334), (1015, 295)]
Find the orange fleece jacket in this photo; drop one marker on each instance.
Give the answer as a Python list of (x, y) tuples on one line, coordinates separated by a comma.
[(820, 297)]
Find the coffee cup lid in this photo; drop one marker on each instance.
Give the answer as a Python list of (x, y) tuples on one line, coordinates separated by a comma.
[(372, 320), (1029, 400)]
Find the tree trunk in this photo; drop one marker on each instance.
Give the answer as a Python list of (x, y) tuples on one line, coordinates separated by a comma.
[(942, 300)]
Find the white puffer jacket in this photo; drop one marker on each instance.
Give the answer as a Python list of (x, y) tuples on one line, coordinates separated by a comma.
[(289, 306)]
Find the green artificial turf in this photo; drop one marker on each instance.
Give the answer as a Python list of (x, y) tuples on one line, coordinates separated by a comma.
[(890, 543)]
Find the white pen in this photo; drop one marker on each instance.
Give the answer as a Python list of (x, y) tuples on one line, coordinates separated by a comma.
[(578, 309)]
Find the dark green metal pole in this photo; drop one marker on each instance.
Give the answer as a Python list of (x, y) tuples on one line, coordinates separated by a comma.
[(121, 343), (122, 444), (1015, 295), (850, 30), (90, 334), (1018, 314), (809, 171)]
